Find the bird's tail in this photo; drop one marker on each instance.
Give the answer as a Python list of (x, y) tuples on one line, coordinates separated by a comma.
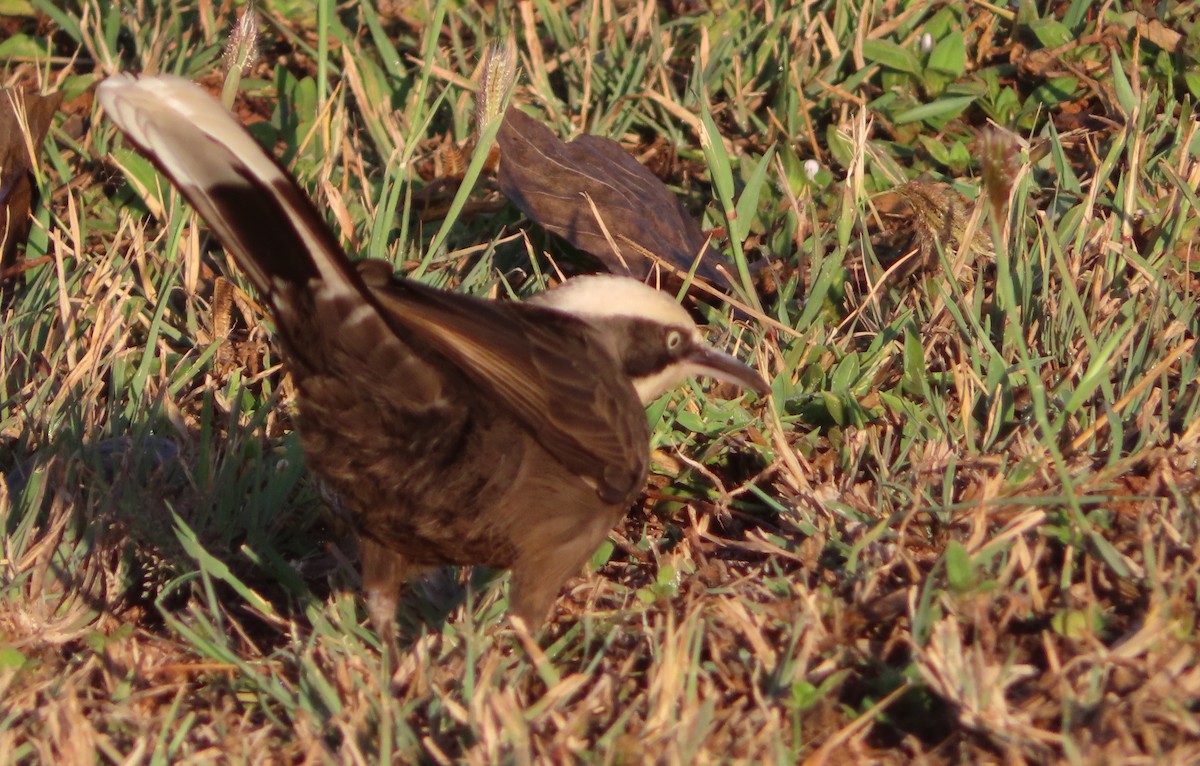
[(253, 205)]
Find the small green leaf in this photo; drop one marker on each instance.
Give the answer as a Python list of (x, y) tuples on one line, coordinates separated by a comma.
[(960, 572), (1109, 554), (692, 421), (666, 576), (1125, 95), (942, 109), (1073, 623), (914, 365), (840, 146), (804, 695), (719, 166), (1052, 93), (24, 47), (1077, 13), (602, 554), (833, 405), (949, 56), (1192, 81), (960, 156), (1050, 32), (890, 55), (656, 410), (11, 659), (936, 149), (845, 373), (747, 205)]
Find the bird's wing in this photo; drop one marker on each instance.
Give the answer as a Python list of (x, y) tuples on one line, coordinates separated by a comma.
[(544, 366)]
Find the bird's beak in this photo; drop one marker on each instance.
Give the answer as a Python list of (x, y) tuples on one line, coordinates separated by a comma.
[(714, 364)]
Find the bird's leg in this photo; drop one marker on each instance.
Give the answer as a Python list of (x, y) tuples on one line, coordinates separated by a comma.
[(538, 575), (383, 573)]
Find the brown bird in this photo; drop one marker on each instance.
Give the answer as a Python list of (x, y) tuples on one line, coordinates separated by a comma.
[(457, 430)]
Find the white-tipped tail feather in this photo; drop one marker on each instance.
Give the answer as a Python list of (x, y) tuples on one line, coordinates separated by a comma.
[(223, 172)]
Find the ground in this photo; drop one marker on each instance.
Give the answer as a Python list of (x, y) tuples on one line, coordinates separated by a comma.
[(962, 528)]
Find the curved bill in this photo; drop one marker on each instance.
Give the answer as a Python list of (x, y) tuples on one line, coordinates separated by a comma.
[(708, 361)]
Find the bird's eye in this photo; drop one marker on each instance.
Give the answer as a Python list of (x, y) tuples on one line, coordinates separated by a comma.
[(674, 340)]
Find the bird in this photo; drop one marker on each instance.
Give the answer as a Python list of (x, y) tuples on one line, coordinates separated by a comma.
[(456, 430)]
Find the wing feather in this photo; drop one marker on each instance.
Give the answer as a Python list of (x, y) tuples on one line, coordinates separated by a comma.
[(548, 369)]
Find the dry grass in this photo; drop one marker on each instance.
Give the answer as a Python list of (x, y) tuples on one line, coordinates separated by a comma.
[(964, 529)]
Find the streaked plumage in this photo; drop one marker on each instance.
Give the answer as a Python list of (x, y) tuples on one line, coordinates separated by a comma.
[(458, 430)]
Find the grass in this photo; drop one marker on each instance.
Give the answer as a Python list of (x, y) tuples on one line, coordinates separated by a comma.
[(964, 529)]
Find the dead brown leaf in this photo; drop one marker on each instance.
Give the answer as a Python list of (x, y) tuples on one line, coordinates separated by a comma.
[(25, 118), (596, 196)]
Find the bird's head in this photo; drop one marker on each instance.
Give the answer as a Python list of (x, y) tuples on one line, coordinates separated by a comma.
[(653, 337)]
